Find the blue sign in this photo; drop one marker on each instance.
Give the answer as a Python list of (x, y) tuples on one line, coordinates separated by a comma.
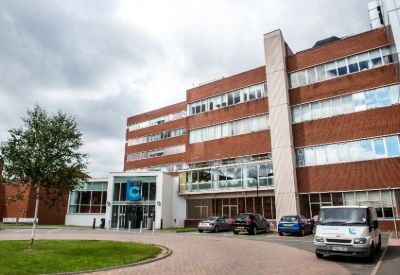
[(133, 191), (352, 231)]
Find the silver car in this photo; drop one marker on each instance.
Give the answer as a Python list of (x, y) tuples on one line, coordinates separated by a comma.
[(213, 224)]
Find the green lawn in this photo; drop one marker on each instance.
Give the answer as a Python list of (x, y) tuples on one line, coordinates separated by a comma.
[(64, 256)]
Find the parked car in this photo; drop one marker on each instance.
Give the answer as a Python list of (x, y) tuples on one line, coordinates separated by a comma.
[(251, 223), (213, 224), (347, 231), (295, 224)]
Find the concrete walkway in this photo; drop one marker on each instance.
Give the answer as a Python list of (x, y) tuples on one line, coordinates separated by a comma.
[(205, 254)]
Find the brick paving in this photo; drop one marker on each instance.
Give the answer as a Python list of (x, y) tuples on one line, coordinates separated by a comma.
[(204, 254)]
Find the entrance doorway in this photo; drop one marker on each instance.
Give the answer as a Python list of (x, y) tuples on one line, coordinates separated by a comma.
[(123, 214)]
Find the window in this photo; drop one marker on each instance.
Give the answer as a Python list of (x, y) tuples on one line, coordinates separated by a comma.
[(158, 120), (359, 150), (89, 198), (359, 102), (341, 67), (296, 114)]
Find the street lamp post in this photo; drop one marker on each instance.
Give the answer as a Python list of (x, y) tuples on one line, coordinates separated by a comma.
[(258, 205)]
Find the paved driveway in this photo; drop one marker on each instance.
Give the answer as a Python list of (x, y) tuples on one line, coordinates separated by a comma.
[(203, 254)]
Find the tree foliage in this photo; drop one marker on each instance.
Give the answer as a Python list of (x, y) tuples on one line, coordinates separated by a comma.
[(45, 152)]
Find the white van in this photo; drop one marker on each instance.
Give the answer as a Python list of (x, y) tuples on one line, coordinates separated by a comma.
[(347, 230)]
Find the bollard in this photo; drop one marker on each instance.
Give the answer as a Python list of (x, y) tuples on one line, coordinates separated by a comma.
[(94, 223), (153, 227), (130, 223), (141, 226)]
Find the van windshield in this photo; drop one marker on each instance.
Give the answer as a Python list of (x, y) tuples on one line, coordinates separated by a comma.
[(342, 216)]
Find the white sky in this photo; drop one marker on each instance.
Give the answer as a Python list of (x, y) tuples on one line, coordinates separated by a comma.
[(103, 61)]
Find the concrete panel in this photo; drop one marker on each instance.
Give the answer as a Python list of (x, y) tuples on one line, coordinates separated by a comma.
[(284, 170), (276, 88), (280, 127), (274, 55), (83, 219)]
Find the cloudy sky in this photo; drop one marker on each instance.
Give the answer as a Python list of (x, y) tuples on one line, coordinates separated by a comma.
[(103, 61)]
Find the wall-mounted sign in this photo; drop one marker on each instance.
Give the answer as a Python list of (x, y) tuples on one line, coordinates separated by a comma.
[(133, 190)]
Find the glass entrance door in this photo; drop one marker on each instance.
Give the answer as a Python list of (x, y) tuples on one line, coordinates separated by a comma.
[(123, 214)]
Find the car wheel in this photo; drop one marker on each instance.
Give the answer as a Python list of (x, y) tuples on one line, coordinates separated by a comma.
[(200, 230), (255, 230), (216, 229), (280, 233), (235, 232), (319, 255)]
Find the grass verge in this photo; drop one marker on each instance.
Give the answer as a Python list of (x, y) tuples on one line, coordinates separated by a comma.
[(51, 256)]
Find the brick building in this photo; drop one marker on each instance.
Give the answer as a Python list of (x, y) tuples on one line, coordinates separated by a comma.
[(313, 128)]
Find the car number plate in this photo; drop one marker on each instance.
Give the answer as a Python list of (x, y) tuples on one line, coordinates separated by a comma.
[(339, 248), (288, 224), (240, 227)]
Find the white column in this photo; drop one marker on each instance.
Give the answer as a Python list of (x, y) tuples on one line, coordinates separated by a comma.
[(283, 156)]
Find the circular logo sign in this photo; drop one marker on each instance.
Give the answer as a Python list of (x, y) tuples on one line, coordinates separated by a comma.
[(133, 191)]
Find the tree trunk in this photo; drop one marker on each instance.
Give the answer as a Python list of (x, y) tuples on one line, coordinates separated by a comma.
[(36, 216)]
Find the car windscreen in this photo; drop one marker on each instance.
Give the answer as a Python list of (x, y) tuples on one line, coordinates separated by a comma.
[(242, 217), (342, 216), (289, 219)]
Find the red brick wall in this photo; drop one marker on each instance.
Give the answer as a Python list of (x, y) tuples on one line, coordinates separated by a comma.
[(168, 142), (370, 123), (348, 46), (242, 145), (163, 160), (233, 112), (343, 85), (373, 174), (25, 208), (227, 84), (388, 225)]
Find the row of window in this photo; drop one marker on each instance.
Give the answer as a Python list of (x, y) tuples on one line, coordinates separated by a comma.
[(376, 98), (381, 200), (238, 176), (238, 160), (156, 153), (232, 128), (157, 121), (228, 99), (158, 136), (344, 66), (366, 149)]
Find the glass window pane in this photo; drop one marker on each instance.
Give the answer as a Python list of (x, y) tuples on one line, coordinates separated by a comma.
[(343, 151), (236, 97), (310, 156), (392, 146), (315, 110), (230, 99), (379, 148), (376, 59), (347, 104), (332, 153), (336, 106), (359, 102), (367, 151), (363, 61), (320, 153), (325, 108), (296, 114), (252, 94), (311, 76), (395, 94), (302, 79), (383, 97), (355, 151), (342, 66), (353, 64), (217, 131), (370, 99), (305, 109), (387, 57), (331, 70), (321, 72)]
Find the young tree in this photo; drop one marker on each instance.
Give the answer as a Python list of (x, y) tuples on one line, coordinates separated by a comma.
[(45, 155)]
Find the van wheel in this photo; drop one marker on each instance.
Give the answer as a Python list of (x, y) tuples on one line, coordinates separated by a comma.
[(371, 256), (319, 255), (379, 246), (235, 232), (200, 230), (280, 233)]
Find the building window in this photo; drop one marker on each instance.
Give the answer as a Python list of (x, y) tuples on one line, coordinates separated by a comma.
[(156, 153), (232, 128), (359, 150), (90, 198), (156, 121), (350, 103), (341, 67), (228, 99)]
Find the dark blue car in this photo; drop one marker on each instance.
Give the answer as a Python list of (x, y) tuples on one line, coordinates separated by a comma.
[(295, 224)]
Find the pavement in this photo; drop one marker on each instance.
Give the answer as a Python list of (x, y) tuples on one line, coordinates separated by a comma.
[(225, 253)]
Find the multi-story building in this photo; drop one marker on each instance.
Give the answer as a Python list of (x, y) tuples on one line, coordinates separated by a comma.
[(313, 128)]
